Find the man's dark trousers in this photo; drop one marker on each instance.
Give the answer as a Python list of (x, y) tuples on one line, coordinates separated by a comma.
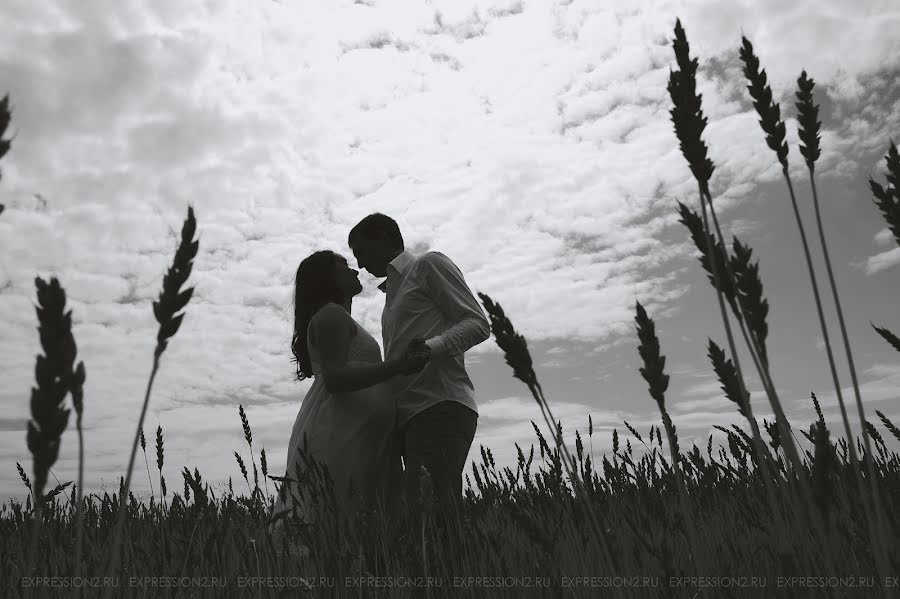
[(438, 438)]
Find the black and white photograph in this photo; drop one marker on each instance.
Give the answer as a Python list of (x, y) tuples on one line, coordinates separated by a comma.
[(450, 298)]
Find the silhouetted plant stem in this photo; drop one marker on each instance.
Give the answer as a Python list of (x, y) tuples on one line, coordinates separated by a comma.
[(77, 401), (515, 350), (774, 128), (809, 136), (653, 372), (763, 370), (687, 117), (689, 122), (878, 531), (171, 300)]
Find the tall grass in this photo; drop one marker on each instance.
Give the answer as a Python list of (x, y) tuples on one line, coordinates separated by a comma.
[(647, 513)]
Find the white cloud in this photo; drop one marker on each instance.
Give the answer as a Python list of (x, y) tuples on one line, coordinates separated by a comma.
[(885, 238), (881, 261)]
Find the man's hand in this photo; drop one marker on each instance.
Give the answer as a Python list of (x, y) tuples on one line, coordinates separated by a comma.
[(418, 344), (416, 356)]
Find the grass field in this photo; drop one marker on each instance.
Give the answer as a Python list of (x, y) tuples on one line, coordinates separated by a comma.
[(778, 511)]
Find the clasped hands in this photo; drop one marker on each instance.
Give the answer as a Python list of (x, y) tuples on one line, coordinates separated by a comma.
[(416, 356)]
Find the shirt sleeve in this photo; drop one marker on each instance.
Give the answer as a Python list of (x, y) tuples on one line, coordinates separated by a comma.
[(445, 285)]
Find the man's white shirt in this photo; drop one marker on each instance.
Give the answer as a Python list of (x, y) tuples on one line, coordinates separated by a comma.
[(427, 296)]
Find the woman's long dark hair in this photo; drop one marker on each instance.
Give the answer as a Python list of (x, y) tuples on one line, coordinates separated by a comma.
[(314, 286)]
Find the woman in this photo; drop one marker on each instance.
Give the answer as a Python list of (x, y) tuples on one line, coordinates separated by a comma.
[(347, 418)]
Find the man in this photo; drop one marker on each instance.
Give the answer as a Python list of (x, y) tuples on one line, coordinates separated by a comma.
[(427, 302)]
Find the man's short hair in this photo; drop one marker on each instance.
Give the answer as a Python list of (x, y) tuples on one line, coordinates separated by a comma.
[(370, 225)]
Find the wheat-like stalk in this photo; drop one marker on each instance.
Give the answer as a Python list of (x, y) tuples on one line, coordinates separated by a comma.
[(809, 136), (265, 469), (171, 300), (53, 373), (727, 375), (823, 466), (248, 436), (888, 201), (653, 371), (888, 336), (743, 292), (889, 425), (689, 122), (54, 376), (147, 462), (750, 296), (515, 352), (744, 295), (160, 454), (5, 118), (888, 198), (78, 378), (243, 468), (772, 125), (24, 477)]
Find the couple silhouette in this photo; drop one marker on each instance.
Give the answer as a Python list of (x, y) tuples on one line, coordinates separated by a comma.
[(363, 413)]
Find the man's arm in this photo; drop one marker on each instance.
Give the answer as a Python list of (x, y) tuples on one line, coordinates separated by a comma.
[(445, 285)]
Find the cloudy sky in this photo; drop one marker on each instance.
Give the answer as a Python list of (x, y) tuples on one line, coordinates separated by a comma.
[(528, 140)]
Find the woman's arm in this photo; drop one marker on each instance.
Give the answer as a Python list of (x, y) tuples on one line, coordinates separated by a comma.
[(354, 378), (331, 331)]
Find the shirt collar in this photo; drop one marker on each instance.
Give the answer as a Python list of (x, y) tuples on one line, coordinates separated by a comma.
[(398, 265)]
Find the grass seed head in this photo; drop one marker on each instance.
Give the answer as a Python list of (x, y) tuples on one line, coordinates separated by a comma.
[(171, 298), (807, 115), (750, 294), (873, 432), (242, 467), (694, 223), (766, 107), (774, 434), (727, 374), (248, 434), (654, 363), (888, 336), (888, 198), (687, 113), (634, 432), (5, 117), (514, 346), (53, 374), (159, 448), (889, 425), (818, 408), (670, 426), (23, 476), (77, 389)]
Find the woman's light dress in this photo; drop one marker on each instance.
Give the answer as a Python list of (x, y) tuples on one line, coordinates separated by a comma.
[(350, 432)]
